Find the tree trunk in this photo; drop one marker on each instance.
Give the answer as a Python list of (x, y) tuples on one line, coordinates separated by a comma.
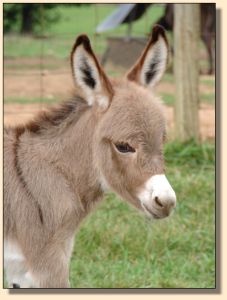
[(186, 70), (27, 18)]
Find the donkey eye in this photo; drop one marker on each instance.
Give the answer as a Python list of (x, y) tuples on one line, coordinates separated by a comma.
[(124, 147)]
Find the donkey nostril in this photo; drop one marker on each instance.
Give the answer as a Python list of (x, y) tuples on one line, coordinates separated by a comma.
[(158, 202)]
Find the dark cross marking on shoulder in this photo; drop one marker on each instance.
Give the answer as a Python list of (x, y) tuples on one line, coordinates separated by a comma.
[(40, 214)]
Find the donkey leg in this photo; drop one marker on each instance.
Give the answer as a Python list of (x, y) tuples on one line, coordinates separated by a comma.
[(52, 272), (16, 267), (207, 39), (17, 275), (51, 268)]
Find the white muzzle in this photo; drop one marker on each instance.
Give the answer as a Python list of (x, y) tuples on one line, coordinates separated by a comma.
[(157, 197)]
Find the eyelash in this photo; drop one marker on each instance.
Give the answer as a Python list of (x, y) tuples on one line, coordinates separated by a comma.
[(124, 148)]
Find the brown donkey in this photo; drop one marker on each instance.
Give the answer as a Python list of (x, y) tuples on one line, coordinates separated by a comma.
[(110, 136)]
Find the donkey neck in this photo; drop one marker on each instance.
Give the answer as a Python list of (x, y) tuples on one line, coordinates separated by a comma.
[(68, 148), (75, 157)]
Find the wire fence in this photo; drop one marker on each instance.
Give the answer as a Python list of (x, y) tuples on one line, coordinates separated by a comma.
[(39, 73), (41, 77)]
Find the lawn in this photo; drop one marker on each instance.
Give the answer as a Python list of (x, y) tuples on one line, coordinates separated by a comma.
[(169, 99), (73, 21), (117, 247)]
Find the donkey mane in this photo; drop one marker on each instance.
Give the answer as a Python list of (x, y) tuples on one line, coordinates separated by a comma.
[(55, 118), (108, 135)]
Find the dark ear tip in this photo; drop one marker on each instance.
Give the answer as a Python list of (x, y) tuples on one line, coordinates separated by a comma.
[(83, 40), (156, 31)]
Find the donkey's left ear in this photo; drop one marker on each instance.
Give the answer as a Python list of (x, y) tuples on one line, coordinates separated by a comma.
[(152, 63), (89, 75)]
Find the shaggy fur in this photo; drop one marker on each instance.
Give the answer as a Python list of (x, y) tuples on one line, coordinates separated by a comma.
[(55, 168)]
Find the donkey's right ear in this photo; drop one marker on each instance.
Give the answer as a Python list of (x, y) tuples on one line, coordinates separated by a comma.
[(89, 75), (152, 63)]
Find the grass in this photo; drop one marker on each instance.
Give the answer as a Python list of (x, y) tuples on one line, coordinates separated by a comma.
[(168, 77), (10, 67), (11, 100), (169, 99), (208, 82), (73, 21), (117, 247), (208, 98)]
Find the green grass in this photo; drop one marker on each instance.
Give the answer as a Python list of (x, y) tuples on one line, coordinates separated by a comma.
[(169, 99), (24, 100), (11, 100), (74, 21), (168, 78), (208, 98), (117, 247), (208, 82)]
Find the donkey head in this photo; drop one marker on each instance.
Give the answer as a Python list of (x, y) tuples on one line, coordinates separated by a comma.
[(129, 135)]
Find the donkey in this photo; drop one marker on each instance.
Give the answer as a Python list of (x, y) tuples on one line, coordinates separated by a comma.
[(58, 166), (207, 27)]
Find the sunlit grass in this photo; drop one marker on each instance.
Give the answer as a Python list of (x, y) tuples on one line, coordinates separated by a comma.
[(73, 21), (117, 247)]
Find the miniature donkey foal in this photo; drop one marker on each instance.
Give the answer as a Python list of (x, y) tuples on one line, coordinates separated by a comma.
[(60, 164)]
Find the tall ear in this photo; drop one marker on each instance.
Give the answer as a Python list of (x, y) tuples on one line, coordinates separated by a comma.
[(152, 63), (89, 75)]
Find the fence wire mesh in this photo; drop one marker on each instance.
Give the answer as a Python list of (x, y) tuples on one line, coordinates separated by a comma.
[(36, 67)]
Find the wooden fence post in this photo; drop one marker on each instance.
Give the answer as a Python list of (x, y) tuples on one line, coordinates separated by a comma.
[(186, 70)]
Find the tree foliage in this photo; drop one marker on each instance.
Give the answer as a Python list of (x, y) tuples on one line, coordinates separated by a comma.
[(28, 17)]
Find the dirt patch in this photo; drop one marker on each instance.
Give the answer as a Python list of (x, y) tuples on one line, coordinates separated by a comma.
[(51, 79), (58, 85), (206, 122), (35, 86), (166, 87), (28, 62), (15, 114), (206, 89), (47, 82)]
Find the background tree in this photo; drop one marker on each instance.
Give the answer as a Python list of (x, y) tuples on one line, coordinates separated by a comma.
[(10, 16), (26, 18)]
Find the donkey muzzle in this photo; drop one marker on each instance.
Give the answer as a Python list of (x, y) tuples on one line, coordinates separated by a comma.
[(157, 197)]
